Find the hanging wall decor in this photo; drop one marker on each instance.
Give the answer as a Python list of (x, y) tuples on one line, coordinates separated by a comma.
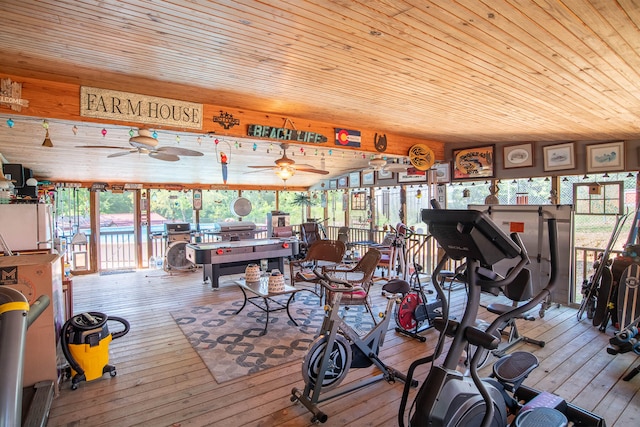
[(354, 179), (226, 120), (559, 157), (412, 176), (368, 177), (380, 142), (605, 157), (443, 173), (518, 156), (473, 163)]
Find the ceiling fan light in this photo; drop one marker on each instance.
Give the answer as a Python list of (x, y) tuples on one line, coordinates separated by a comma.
[(285, 172), (377, 163)]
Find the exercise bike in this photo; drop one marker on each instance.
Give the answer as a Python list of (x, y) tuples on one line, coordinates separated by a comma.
[(339, 347), (449, 398), (415, 313)]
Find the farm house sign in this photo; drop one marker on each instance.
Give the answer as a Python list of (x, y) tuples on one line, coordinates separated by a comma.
[(131, 107)]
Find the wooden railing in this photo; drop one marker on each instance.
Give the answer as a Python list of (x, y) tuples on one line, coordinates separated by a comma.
[(118, 252), (583, 267)]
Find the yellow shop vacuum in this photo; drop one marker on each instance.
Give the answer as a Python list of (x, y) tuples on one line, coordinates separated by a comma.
[(85, 342)]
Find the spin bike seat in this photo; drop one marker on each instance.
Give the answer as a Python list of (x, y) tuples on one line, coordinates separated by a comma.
[(396, 286)]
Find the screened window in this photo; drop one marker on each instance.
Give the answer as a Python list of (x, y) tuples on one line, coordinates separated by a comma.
[(593, 198)]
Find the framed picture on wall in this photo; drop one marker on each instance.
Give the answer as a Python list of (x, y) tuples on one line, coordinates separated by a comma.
[(343, 182), (368, 177), (443, 172), (413, 176), (385, 174), (605, 157), (474, 163), (559, 157), (354, 179), (518, 156), (333, 184)]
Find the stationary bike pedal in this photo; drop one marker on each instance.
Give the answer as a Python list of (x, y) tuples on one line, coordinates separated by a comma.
[(514, 367)]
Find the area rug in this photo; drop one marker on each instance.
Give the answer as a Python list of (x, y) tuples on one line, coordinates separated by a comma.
[(231, 345)]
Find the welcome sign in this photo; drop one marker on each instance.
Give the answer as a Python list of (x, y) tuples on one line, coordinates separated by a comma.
[(131, 107)]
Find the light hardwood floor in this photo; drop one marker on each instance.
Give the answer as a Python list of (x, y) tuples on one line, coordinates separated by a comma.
[(161, 380)]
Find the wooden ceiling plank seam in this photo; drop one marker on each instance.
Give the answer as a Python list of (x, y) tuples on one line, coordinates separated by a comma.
[(628, 6), (92, 52), (479, 101), (316, 55), (559, 44), (574, 41), (338, 119), (558, 72), (552, 104), (599, 49)]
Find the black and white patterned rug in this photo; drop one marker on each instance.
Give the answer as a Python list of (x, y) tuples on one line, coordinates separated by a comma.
[(231, 346)]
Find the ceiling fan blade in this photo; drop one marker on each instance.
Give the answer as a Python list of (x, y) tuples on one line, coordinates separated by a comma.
[(319, 171), (179, 151), (122, 153), (263, 167), (167, 157), (396, 167)]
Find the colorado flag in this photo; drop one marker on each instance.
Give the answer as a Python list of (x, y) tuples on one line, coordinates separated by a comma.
[(348, 138)]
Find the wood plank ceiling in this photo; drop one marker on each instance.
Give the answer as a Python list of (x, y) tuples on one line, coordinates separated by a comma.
[(492, 71)]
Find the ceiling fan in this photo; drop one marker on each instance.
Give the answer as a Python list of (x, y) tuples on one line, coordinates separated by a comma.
[(145, 143), (286, 167), (378, 163)]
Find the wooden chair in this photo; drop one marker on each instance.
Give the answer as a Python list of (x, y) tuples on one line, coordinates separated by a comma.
[(361, 277), (321, 253)]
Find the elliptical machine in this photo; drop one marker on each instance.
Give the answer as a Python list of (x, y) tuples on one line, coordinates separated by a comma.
[(447, 397)]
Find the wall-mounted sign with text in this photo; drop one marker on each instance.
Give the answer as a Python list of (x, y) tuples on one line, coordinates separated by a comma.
[(131, 107), (284, 134)]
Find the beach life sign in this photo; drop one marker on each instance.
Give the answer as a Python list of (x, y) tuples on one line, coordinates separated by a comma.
[(130, 107)]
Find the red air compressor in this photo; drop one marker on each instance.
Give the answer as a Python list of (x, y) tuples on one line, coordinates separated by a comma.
[(85, 342)]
